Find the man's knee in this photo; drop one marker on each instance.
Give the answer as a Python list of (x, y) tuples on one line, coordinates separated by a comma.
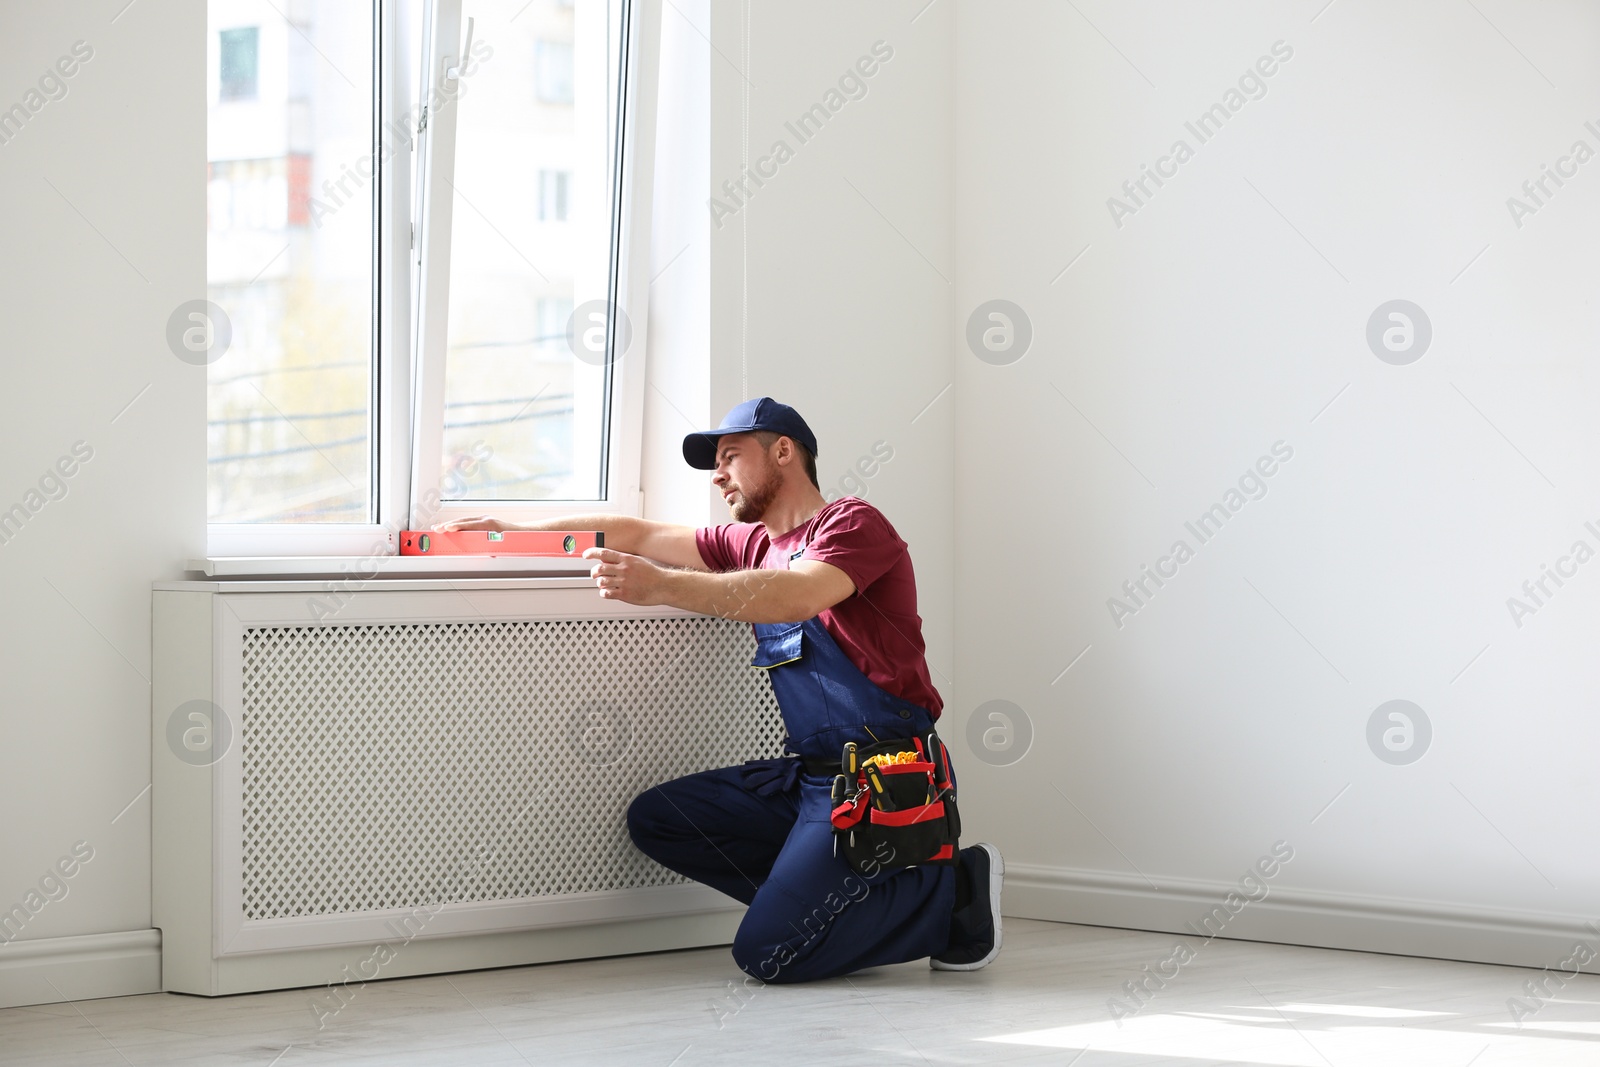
[(759, 957), (779, 964), (761, 951)]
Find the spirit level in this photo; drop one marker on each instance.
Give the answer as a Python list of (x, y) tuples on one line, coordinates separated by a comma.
[(498, 543)]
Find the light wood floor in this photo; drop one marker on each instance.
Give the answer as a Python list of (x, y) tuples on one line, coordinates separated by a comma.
[(1043, 1001)]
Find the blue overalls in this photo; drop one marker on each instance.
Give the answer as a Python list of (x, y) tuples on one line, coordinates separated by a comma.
[(761, 833)]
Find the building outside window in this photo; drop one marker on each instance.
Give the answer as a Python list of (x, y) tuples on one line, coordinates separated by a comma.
[(553, 196), (553, 71)]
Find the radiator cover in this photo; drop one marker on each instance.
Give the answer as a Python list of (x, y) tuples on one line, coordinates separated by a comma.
[(439, 760)]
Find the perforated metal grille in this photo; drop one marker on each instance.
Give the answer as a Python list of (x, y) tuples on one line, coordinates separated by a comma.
[(390, 766)]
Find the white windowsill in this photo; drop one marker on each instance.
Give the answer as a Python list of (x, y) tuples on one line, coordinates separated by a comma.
[(377, 568)]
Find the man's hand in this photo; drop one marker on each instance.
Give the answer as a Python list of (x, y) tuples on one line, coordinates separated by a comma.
[(793, 595), (477, 522), (631, 579)]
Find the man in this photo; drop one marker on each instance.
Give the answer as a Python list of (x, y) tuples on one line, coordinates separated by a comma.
[(830, 592)]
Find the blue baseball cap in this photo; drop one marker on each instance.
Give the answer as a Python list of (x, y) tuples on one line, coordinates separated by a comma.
[(762, 413)]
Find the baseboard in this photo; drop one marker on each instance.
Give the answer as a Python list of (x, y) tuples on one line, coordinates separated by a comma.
[(49, 970), (56, 969), (1302, 917)]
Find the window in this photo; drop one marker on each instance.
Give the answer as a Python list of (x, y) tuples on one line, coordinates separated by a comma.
[(368, 181), (240, 59), (553, 196)]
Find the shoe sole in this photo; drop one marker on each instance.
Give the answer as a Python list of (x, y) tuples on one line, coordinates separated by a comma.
[(997, 874)]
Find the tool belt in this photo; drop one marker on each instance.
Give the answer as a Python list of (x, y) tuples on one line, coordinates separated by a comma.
[(894, 804)]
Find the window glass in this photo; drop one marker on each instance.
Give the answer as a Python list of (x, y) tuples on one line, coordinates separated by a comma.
[(289, 259), (531, 241)]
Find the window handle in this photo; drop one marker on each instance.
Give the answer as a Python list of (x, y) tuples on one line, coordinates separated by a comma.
[(453, 73)]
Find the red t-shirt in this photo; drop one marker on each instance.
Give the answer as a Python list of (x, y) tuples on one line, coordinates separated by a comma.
[(878, 628)]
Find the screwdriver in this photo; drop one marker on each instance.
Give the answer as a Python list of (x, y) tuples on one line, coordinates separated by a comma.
[(880, 792)]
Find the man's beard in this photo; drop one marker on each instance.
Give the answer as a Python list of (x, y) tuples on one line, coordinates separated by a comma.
[(754, 501)]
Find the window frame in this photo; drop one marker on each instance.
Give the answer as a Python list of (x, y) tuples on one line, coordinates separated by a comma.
[(407, 384)]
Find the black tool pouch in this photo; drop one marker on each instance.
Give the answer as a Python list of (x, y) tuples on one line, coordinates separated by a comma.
[(892, 815)]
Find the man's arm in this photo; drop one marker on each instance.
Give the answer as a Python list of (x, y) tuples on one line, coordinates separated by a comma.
[(799, 593), (663, 541)]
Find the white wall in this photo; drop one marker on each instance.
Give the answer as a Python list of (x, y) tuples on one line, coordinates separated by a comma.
[(103, 237), (1221, 317), (832, 285), (1226, 314)]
